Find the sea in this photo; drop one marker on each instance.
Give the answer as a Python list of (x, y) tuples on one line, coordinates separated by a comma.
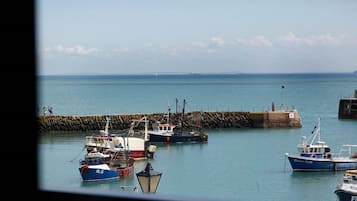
[(246, 164)]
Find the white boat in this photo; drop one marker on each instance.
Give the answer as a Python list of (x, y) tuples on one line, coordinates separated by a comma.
[(316, 155), (139, 148), (95, 158), (347, 189)]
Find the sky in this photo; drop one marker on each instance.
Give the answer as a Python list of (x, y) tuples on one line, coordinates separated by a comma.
[(195, 36)]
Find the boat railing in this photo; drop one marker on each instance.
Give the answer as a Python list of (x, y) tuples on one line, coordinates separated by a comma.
[(346, 150)]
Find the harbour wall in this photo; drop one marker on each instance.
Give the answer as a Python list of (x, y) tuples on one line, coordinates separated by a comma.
[(265, 119)]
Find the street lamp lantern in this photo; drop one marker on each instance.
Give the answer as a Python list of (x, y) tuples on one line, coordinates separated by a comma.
[(148, 179)]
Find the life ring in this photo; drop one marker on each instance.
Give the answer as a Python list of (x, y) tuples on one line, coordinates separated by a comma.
[(167, 139), (313, 155)]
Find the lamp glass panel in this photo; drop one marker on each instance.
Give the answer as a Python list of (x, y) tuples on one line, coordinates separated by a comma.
[(154, 183), (144, 183)]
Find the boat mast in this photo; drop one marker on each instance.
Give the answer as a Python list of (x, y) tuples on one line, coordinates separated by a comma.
[(183, 114), (176, 105), (146, 129), (168, 113), (317, 131)]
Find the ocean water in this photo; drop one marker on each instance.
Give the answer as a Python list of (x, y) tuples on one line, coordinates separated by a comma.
[(235, 164)]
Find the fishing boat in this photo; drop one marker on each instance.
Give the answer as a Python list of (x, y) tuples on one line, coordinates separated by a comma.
[(95, 158), (316, 155), (347, 189), (163, 133), (121, 160), (112, 164), (139, 147), (98, 172), (166, 133)]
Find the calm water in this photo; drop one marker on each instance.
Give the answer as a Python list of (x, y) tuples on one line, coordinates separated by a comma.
[(235, 164)]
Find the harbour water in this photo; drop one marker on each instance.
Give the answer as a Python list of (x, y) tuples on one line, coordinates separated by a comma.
[(235, 164)]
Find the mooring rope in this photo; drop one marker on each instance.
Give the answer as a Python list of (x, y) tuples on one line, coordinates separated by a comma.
[(78, 154)]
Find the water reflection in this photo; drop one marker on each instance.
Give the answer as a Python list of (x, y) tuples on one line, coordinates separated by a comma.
[(121, 184), (177, 146), (308, 184), (313, 177), (103, 185), (62, 137)]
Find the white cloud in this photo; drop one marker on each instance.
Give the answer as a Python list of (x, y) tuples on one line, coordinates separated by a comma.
[(173, 52), (199, 44), (217, 41), (76, 50), (257, 41), (317, 40), (121, 51), (291, 40), (328, 39), (209, 45)]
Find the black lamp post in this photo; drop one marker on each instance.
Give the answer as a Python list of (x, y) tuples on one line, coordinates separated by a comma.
[(148, 179)]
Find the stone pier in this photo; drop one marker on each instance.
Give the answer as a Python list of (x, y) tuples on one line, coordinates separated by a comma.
[(265, 119)]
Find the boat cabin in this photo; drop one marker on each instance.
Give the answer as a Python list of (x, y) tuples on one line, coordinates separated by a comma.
[(350, 176), (95, 158), (162, 129), (319, 149)]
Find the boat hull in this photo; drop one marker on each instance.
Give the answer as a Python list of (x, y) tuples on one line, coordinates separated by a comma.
[(137, 154), (315, 164), (125, 172), (343, 195), (94, 174), (178, 138)]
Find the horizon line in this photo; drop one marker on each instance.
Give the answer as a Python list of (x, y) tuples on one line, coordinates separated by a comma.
[(193, 73)]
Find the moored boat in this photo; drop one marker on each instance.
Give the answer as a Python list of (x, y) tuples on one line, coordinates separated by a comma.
[(95, 158), (316, 155), (139, 148), (347, 189), (121, 160), (112, 164), (163, 133), (166, 133), (98, 172)]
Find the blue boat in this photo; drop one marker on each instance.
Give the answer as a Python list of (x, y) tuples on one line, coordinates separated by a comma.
[(98, 172), (316, 155)]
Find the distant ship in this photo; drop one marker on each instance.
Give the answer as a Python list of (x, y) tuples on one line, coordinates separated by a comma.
[(348, 107)]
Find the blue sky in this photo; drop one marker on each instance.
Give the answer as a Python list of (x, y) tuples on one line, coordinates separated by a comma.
[(195, 36)]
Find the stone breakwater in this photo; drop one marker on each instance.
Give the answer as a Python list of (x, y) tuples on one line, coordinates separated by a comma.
[(266, 119)]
